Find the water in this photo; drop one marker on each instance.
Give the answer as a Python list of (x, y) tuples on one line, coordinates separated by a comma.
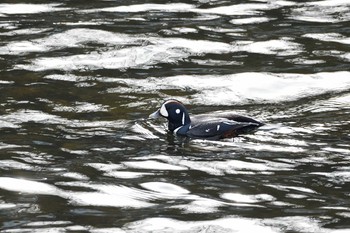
[(78, 80)]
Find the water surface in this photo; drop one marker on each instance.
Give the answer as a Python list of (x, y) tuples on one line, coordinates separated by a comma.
[(78, 80)]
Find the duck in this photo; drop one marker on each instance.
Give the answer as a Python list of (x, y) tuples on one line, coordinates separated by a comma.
[(208, 126)]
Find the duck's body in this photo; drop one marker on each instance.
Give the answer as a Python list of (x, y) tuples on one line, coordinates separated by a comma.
[(219, 126)]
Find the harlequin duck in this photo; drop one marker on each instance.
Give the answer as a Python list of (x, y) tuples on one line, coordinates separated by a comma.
[(222, 125)]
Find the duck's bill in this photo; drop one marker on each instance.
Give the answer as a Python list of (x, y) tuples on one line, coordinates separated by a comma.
[(155, 115)]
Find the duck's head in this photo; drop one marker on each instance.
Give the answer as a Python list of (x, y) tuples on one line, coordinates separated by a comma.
[(175, 112)]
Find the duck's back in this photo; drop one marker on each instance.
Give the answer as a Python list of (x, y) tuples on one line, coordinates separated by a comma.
[(223, 125)]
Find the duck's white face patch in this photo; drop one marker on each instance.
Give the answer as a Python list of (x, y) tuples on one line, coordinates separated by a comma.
[(163, 111), (177, 111)]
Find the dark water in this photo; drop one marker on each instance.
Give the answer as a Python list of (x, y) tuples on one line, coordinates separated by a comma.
[(78, 80)]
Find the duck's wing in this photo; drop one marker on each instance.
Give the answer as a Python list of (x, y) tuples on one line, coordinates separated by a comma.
[(221, 129), (240, 118), (226, 116)]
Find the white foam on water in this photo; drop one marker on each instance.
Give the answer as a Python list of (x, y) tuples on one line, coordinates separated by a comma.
[(84, 23), (185, 30), (137, 128), (81, 107), (328, 11), (296, 196), (127, 174), (305, 61), (281, 47), (75, 152), (153, 165), (8, 164), (135, 57), (117, 170), (27, 186), (221, 30), (243, 88), (252, 20), (75, 175), (284, 3), (341, 102), (275, 138), (336, 176), (34, 158), (227, 224), (68, 78), (28, 115), (96, 124), (130, 51), (21, 8), (337, 150), (106, 230), (30, 31), (6, 206), (57, 229), (330, 3), (201, 205), (297, 224), (106, 199), (239, 9), (170, 7), (8, 26), (330, 37), (106, 149), (288, 188), (5, 124), (6, 82), (137, 19), (220, 168), (345, 57), (106, 195), (47, 223), (245, 198), (273, 148), (6, 146), (22, 116), (68, 39), (179, 31), (88, 128), (120, 196), (161, 50), (314, 17), (21, 47), (165, 188)]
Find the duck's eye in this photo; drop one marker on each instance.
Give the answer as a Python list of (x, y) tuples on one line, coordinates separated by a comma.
[(177, 111)]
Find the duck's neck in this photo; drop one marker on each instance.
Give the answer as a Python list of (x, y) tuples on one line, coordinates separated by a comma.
[(175, 124)]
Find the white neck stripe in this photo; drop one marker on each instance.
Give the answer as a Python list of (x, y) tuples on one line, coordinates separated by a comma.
[(177, 129)]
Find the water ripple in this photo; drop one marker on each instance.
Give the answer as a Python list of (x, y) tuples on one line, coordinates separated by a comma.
[(242, 88), (9, 9), (79, 79)]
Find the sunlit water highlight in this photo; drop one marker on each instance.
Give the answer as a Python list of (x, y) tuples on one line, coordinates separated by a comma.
[(79, 79)]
